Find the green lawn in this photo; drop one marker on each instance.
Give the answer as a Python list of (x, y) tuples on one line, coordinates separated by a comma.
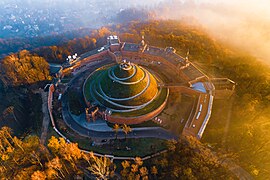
[(138, 147), (88, 83), (105, 82), (115, 89)]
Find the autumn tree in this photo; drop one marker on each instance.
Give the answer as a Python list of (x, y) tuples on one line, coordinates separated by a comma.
[(189, 159), (134, 170), (38, 175), (100, 167), (68, 151), (24, 68), (16, 154), (126, 129)]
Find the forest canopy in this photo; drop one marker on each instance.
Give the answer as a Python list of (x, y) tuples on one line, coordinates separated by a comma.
[(24, 68)]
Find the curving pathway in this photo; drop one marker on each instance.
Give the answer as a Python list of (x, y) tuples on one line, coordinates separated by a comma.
[(128, 98), (94, 90), (126, 83), (155, 132), (126, 78)]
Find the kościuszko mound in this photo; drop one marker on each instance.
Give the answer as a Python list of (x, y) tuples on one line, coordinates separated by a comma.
[(126, 90)]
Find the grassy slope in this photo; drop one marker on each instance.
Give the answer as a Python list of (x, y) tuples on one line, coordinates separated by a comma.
[(114, 89), (153, 105)]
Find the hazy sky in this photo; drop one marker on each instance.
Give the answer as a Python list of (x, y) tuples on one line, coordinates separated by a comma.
[(243, 23)]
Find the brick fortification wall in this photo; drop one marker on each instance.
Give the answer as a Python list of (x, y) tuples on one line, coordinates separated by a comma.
[(88, 59), (112, 55), (137, 56), (95, 57)]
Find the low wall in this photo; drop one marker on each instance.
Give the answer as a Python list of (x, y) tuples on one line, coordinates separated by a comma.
[(94, 57)]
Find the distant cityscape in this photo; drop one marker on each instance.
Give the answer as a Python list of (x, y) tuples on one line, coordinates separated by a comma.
[(31, 18), (19, 20)]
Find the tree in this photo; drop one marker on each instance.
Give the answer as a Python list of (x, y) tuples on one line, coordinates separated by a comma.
[(15, 154), (54, 166), (116, 128), (134, 170), (38, 175), (138, 161), (189, 159), (68, 151), (24, 68), (54, 144), (126, 130), (154, 171), (100, 167), (171, 144), (144, 173)]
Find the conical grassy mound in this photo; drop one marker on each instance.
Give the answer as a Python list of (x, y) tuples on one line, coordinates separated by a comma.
[(145, 88), (125, 88)]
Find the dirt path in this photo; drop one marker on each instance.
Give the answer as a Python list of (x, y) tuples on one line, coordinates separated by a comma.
[(46, 118)]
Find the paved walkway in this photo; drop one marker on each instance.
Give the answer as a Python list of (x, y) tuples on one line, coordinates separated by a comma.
[(46, 118), (136, 133)]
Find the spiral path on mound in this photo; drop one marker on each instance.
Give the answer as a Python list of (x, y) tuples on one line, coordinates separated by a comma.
[(144, 82)]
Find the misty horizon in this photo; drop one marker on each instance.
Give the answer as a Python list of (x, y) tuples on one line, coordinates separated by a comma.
[(242, 24)]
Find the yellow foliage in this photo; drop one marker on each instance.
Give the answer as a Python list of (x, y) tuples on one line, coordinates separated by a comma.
[(4, 157)]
